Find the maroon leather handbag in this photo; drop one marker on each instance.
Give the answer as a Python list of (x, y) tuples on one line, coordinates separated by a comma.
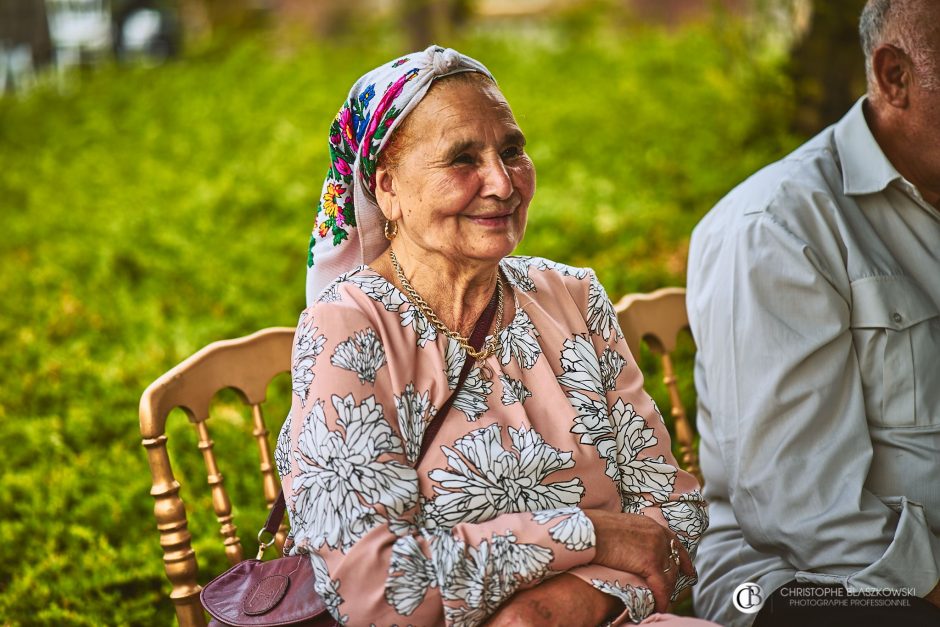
[(253, 593), (280, 592), (277, 592)]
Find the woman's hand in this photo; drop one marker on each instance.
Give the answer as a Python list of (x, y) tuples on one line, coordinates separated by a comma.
[(636, 544), (565, 601)]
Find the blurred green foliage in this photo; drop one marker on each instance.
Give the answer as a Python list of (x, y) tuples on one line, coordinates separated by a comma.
[(146, 212)]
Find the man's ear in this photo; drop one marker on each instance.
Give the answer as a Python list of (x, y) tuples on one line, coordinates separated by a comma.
[(893, 71), (386, 193)]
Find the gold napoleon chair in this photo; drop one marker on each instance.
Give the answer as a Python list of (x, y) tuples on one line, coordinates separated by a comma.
[(247, 365), (656, 319)]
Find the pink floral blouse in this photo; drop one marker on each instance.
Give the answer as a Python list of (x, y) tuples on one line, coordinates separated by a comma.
[(496, 505)]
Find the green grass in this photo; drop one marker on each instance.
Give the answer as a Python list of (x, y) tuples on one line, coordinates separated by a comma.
[(148, 212)]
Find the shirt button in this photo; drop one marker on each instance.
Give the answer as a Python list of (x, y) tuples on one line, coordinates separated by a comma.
[(896, 317)]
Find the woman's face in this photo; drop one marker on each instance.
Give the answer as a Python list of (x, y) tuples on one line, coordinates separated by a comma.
[(462, 182)]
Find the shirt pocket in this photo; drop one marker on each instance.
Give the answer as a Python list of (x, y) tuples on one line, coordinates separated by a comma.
[(896, 332)]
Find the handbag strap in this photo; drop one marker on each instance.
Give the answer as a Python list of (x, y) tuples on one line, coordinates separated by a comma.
[(476, 341), (477, 337)]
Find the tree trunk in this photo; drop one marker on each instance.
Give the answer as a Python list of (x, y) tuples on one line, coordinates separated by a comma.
[(202, 18), (432, 21), (24, 22), (827, 66)]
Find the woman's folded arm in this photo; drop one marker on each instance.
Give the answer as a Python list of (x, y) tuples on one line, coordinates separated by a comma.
[(353, 498)]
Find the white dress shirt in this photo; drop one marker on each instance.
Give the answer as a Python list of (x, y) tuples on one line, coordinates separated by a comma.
[(814, 300)]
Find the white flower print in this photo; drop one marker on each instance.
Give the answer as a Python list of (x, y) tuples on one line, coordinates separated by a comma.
[(340, 480), (484, 480), (687, 516), (454, 358), (574, 530), (415, 411), (547, 264), (307, 346), (612, 364), (648, 475), (683, 581), (601, 318), (411, 573), (490, 573), (540, 263), (514, 390), (517, 272), (583, 373), (466, 615), (587, 376), (518, 269), (330, 293), (362, 353), (634, 434), (447, 554), (517, 563), (581, 368), (592, 423), (471, 399), (634, 503), (481, 577), (518, 341), (639, 602), (282, 450), (327, 588), (380, 290), (411, 316), (656, 409)]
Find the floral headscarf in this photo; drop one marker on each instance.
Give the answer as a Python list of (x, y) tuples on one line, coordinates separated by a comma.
[(349, 227)]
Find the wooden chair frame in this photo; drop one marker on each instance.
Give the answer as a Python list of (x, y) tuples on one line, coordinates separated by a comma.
[(656, 319), (247, 365)]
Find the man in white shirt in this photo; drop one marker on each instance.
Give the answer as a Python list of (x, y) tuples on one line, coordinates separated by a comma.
[(814, 299)]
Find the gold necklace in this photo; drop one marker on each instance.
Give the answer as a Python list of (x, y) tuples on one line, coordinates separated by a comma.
[(490, 348)]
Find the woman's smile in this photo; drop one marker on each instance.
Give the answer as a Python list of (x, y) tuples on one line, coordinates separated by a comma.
[(492, 220)]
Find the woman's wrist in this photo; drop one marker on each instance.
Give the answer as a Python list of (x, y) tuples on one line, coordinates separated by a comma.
[(563, 600), (599, 519)]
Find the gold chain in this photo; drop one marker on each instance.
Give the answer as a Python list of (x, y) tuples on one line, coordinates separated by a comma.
[(490, 348)]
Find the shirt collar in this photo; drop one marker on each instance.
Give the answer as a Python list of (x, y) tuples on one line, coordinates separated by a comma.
[(865, 168)]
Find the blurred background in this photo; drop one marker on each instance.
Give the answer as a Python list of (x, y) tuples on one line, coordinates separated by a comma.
[(160, 163)]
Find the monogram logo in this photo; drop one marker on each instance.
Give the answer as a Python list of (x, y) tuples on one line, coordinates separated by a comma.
[(748, 598)]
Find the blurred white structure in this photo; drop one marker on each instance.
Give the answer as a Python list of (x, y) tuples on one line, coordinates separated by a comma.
[(79, 29), (140, 28), (16, 67), (139, 31)]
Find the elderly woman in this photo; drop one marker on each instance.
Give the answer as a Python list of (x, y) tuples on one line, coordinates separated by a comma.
[(469, 439)]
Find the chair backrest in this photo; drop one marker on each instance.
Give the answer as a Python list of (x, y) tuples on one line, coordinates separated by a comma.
[(247, 365), (656, 319)]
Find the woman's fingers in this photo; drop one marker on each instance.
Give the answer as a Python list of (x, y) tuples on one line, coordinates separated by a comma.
[(637, 544), (685, 560), (662, 591), (671, 569)]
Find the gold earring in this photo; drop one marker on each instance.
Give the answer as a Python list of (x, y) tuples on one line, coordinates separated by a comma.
[(391, 229)]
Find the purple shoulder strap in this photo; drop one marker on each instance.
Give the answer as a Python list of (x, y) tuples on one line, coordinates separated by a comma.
[(276, 515), (476, 341)]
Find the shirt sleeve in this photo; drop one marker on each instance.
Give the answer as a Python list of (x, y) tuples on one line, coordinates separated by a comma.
[(353, 495), (781, 382), (622, 420)]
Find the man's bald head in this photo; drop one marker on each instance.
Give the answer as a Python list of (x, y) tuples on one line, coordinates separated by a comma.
[(911, 26)]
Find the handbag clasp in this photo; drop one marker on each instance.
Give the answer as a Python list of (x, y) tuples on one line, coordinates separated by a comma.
[(262, 545)]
